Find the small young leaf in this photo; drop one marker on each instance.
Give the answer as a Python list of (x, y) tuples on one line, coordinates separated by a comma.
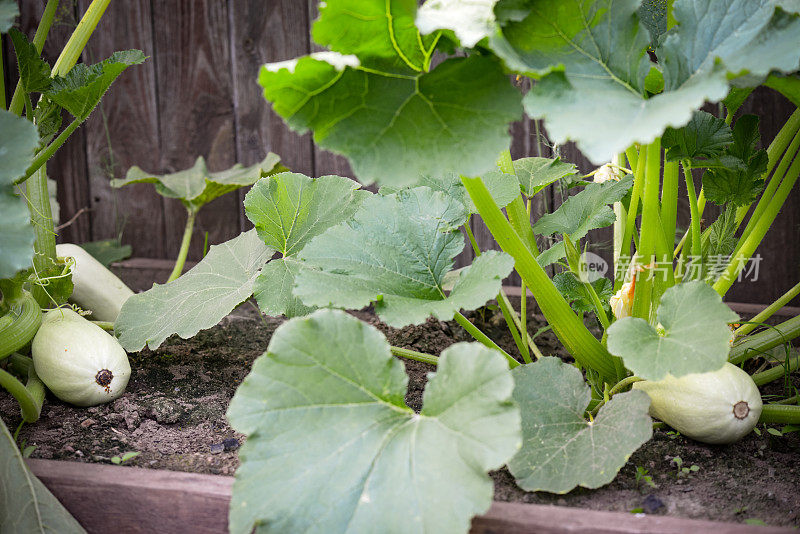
[(196, 186), (18, 139), (585, 211), (395, 252), (696, 338), (332, 446), (573, 291), (34, 72), (107, 251), (81, 89), (560, 448), (48, 120), (739, 179), (722, 234), (199, 299), (703, 138), (534, 174)]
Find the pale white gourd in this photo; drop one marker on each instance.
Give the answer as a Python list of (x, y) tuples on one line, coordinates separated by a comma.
[(96, 288), (718, 407), (78, 361)]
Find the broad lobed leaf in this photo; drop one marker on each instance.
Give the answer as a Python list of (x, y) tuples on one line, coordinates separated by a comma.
[(332, 446)]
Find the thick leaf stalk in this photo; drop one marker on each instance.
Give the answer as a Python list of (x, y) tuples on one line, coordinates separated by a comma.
[(763, 341), (185, 242), (571, 331), (26, 317), (780, 413)]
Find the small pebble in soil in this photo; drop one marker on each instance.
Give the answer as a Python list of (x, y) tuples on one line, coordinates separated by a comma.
[(231, 444), (86, 423), (217, 448), (651, 504)]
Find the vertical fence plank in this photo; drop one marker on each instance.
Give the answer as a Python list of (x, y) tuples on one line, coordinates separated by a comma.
[(195, 105), (261, 34), (123, 131)]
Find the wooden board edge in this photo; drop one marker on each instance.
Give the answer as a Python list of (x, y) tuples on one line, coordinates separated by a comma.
[(144, 500)]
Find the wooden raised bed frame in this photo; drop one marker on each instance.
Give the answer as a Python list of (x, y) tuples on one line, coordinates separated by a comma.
[(107, 498)]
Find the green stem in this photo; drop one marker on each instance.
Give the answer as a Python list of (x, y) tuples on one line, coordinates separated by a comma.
[(650, 230), (507, 310), (633, 209), (768, 312), (77, 41), (30, 400), (27, 317), (475, 332), (38, 41), (697, 250), (184, 251), (749, 245), (789, 400), (475, 248), (571, 331), (2, 78), (622, 384), (779, 371), (414, 355), (669, 200), (38, 198), (756, 344), (780, 413), (521, 222), (47, 153)]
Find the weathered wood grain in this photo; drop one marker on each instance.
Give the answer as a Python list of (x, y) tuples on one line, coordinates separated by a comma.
[(195, 105), (263, 33), (124, 131), (106, 498)]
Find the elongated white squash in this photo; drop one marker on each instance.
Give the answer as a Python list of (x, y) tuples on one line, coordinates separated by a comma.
[(718, 407), (78, 361), (96, 288)]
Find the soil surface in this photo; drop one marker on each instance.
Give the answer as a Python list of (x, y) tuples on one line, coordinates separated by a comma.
[(173, 415)]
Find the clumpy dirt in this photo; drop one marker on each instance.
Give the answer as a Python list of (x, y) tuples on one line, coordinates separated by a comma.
[(173, 415)]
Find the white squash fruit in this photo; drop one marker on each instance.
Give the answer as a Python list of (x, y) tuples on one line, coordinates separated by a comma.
[(96, 288), (719, 407), (78, 361)]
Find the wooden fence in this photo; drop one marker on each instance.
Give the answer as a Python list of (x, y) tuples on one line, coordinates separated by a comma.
[(197, 95)]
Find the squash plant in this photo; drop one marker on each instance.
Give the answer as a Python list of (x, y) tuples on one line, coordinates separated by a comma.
[(624, 80), (331, 444)]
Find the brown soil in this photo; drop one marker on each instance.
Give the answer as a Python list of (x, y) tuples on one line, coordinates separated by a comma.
[(173, 414)]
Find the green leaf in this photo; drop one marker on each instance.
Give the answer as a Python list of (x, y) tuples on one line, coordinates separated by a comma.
[(34, 72), (289, 209), (8, 13), (696, 336), (788, 86), (107, 251), (470, 21), (332, 446), (574, 292), (26, 505), (503, 188), (653, 14), (396, 252), (560, 448), (722, 234), (48, 120), (273, 289), (199, 299), (196, 186), (56, 279), (18, 139), (585, 211), (705, 137), (374, 28), (81, 89), (396, 124), (741, 178), (534, 174)]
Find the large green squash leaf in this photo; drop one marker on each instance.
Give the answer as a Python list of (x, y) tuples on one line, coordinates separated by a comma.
[(695, 338), (591, 58), (560, 448), (196, 186), (18, 139), (199, 299), (471, 21), (26, 505), (288, 210), (81, 89), (332, 446), (534, 174), (395, 123), (396, 252)]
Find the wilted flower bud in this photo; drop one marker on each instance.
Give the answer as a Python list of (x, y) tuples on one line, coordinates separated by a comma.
[(606, 173)]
